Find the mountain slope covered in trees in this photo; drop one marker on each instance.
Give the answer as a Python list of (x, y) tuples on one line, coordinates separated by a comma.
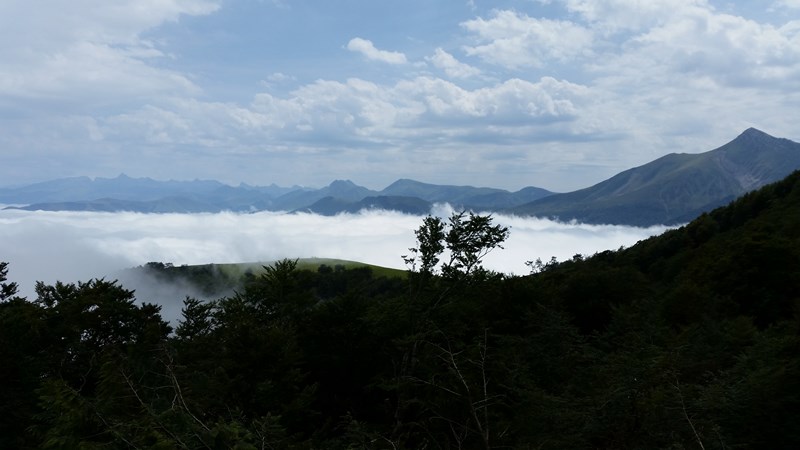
[(686, 340)]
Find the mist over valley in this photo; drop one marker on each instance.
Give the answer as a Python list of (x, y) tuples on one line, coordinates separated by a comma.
[(71, 246)]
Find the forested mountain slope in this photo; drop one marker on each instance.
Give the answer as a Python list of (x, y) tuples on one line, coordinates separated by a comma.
[(686, 340)]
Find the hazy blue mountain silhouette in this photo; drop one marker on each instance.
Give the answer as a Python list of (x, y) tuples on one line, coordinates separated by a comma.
[(672, 189), (330, 206), (677, 187)]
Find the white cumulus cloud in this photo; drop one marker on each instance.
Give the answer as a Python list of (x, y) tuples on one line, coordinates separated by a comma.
[(89, 51), (367, 48), (452, 66), (515, 40), (620, 15)]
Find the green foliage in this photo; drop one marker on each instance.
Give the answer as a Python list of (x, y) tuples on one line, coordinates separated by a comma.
[(467, 238), (430, 237), (685, 340), (7, 290), (23, 336), (210, 280)]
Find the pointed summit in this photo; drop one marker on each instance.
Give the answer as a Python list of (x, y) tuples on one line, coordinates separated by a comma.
[(758, 139), (677, 187), (753, 140), (754, 134)]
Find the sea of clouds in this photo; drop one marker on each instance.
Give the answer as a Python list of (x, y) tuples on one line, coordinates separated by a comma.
[(78, 246)]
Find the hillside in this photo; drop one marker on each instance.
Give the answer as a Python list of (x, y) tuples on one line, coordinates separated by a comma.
[(677, 187), (168, 285), (685, 340)]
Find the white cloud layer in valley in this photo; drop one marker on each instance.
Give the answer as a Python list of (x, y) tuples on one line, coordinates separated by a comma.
[(77, 246)]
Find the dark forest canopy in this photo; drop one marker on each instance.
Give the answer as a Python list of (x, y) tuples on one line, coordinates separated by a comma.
[(686, 340)]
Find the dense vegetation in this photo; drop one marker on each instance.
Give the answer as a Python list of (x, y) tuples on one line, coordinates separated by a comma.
[(686, 340)]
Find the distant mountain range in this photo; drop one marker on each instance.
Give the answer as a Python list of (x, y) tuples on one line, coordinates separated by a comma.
[(673, 189), (146, 195), (124, 193)]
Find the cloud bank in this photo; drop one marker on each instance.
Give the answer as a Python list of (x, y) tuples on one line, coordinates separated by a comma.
[(77, 246)]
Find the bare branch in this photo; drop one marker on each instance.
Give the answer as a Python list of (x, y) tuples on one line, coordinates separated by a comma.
[(686, 414), (147, 408)]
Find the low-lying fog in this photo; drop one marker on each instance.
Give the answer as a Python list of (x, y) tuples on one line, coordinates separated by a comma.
[(72, 246)]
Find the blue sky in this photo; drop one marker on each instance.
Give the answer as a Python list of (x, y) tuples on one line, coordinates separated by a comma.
[(559, 94)]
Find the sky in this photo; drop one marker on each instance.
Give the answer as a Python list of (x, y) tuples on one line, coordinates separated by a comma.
[(77, 246), (559, 94)]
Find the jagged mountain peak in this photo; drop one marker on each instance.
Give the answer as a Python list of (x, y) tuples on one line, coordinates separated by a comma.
[(754, 132)]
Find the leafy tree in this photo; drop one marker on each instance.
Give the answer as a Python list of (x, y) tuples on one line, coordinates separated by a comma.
[(442, 385), (7, 290), (93, 332), (467, 237), (23, 335), (430, 237), (197, 321)]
